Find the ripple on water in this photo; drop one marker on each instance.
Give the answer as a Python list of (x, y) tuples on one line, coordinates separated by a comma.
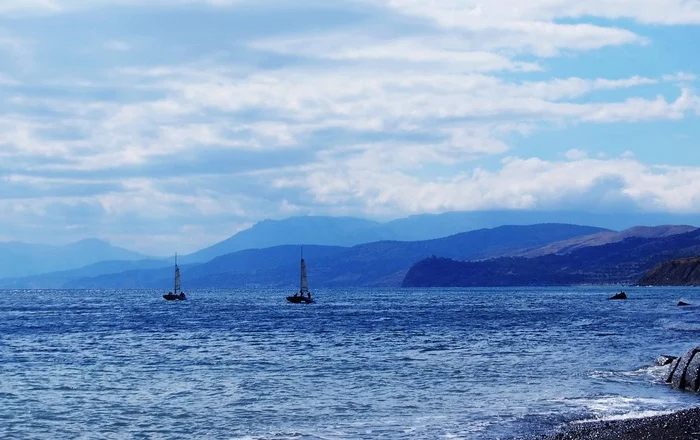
[(394, 366)]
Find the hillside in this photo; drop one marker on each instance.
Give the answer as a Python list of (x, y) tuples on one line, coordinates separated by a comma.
[(680, 272), (423, 226), (350, 231), (382, 263), (237, 269), (603, 238), (308, 230), (22, 259), (54, 280), (621, 262)]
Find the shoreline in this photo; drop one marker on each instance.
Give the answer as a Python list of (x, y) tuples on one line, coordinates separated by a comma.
[(679, 425)]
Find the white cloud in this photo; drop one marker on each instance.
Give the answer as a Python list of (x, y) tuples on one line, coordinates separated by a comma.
[(680, 77), (575, 154), (518, 184), (426, 50), (505, 13), (62, 6), (351, 118), (636, 109)]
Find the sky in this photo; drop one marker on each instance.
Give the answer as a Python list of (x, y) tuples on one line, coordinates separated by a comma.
[(168, 125)]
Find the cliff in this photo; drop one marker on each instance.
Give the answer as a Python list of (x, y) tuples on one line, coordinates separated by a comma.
[(681, 272)]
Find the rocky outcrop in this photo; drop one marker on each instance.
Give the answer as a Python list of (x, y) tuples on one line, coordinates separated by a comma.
[(681, 272), (684, 372), (664, 359), (621, 295)]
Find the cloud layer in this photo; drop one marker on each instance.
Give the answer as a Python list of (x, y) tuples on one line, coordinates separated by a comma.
[(170, 126)]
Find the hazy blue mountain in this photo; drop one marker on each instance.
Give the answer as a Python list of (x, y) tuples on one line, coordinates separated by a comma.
[(602, 238), (222, 272), (349, 231), (310, 230), (424, 226), (55, 280), (371, 264), (21, 259), (620, 262)]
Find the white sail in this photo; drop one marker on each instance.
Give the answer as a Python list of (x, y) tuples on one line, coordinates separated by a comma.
[(177, 279), (304, 281)]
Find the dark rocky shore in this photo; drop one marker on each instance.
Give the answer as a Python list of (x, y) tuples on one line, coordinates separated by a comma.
[(682, 425)]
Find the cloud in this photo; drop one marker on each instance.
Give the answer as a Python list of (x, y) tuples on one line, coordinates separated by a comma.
[(576, 154), (429, 51), (520, 183), (64, 6), (171, 121), (473, 13)]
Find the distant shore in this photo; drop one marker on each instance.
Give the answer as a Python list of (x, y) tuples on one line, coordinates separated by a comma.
[(681, 425)]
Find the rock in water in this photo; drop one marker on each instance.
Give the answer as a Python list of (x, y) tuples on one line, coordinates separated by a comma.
[(621, 295), (684, 373), (671, 370), (664, 359), (683, 303), (692, 374)]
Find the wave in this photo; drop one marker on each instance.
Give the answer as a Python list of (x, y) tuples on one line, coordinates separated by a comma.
[(654, 373), (670, 324), (606, 406), (627, 416)]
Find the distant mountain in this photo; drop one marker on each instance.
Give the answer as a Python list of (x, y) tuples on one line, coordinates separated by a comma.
[(310, 230), (382, 263), (681, 272), (420, 227), (620, 262), (349, 231), (232, 270), (605, 237), (55, 280), (22, 259)]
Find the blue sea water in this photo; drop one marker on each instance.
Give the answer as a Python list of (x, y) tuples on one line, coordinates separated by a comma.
[(357, 364)]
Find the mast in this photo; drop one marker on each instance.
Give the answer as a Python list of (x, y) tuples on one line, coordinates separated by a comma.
[(303, 282), (177, 276)]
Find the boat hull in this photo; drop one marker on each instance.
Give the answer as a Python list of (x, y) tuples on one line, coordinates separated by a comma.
[(172, 297), (299, 300)]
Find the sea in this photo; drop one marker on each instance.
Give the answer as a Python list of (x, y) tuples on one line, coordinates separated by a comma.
[(472, 363)]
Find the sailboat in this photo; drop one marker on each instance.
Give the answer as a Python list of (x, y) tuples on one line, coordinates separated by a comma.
[(303, 296), (174, 295)]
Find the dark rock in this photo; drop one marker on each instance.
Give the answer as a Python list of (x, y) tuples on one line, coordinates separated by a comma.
[(683, 303), (621, 295), (679, 375), (692, 374), (672, 370), (664, 359)]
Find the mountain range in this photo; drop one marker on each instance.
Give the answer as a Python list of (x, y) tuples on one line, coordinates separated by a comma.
[(359, 251), (618, 261), (19, 259), (382, 263), (351, 231)]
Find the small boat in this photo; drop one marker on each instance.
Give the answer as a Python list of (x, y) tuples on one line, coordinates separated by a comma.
[(303, 296), (177, 294)]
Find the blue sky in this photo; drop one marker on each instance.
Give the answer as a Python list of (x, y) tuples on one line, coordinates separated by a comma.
[(169, 126)]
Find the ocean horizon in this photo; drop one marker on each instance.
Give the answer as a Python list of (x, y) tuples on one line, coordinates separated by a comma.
[(361, 363)]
